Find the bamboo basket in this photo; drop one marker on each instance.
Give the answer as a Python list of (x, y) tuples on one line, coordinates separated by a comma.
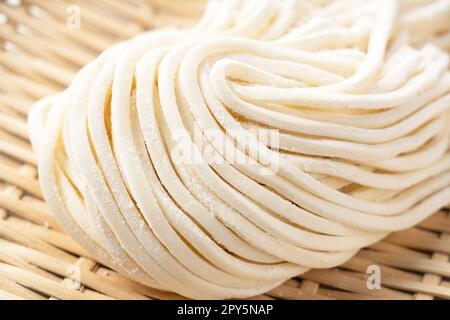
[(39, 56)]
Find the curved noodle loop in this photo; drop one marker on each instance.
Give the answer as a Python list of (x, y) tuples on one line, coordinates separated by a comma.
[(274, 137)]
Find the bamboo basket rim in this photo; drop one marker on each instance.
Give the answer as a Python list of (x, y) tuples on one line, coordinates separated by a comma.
[(40, 55)]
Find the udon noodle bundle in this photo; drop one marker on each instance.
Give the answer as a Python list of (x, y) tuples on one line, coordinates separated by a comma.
[(272, 138)]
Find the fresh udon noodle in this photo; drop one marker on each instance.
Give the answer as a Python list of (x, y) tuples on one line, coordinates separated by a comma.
[(356, 92)]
